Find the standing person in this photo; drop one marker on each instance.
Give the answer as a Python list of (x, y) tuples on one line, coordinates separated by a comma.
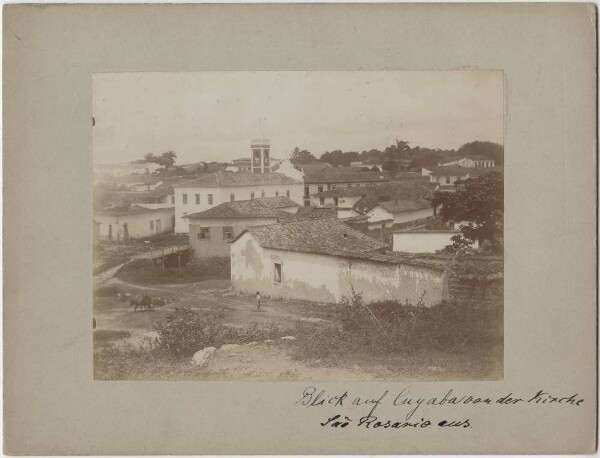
[(258, 299)]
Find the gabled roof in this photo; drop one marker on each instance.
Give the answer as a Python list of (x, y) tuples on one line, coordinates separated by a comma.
[(309, 213), (263, 207), (334, 238), (410, 190), (399, 206), (128, 210), (230, 179), (343, 175), (320, 236)]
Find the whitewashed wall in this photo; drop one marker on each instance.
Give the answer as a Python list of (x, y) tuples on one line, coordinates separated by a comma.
[(323, 278), (223, 194), (138, 225)]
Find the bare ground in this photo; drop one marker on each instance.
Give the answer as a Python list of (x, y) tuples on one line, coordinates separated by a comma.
[(118, 325)]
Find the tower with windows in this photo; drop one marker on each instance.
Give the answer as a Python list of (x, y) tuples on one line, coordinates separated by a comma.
[(260, 148)]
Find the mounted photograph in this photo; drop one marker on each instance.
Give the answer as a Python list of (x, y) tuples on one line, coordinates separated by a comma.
[(298, 226)]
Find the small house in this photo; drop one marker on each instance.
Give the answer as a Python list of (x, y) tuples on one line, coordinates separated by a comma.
[(390, 213), (212, 229), (324, 260), (121, 223), (479, 162)]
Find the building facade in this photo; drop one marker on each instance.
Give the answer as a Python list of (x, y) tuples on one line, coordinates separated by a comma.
[(277, 263), (398, 212), (478, 162), (213, 229), (333, 178), (133, 222), (207, 192)]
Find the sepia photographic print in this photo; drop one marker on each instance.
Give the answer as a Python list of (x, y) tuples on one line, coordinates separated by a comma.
[(286, 226)]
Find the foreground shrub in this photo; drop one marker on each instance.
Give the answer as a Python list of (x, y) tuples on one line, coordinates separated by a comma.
[(393, 328), (186, 331)]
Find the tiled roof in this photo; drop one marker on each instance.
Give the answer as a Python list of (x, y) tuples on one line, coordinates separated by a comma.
[(309, 213), (230, 179), (129, 210), (343, 175), (319, 236), (263, 207), (411, 190), (398, 206), (334, 238)]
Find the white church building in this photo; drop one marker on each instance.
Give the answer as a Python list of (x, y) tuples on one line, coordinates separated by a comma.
[(211, 190)]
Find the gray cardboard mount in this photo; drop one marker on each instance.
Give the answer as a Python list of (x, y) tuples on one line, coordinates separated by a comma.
[(548, 55)]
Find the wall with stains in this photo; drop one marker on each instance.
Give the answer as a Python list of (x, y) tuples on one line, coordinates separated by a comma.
[(217, 244), (323, 278)]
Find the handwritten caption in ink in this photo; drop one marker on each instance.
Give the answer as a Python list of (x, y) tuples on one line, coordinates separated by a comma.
[(415, 408)]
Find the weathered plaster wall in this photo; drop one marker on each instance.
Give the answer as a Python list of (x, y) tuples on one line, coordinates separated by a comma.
[(327, 278), (378, 213), (217, 245), (138, 225), (304, 276), (381, 281)]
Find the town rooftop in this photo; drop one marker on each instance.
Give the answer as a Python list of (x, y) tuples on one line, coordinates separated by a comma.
[(230, 179), (263, 207)]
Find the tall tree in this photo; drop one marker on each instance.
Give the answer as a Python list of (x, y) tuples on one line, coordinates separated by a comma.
[(298, 156), (478, 204), (167, 159)]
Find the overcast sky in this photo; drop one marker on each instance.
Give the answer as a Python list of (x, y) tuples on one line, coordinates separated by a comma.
[(212, 116)]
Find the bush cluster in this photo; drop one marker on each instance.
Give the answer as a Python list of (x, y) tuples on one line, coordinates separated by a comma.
[(394, 328), (186, 331)]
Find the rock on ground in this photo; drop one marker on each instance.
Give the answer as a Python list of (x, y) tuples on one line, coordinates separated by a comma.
[(229, 346), (202, 357), (288, 338)]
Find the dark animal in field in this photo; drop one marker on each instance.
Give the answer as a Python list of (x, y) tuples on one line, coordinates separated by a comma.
[(141, 301)]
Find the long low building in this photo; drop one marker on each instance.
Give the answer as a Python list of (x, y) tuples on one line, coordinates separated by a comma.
[(201, 194), (212, 229), (133, 222), (325, 260)]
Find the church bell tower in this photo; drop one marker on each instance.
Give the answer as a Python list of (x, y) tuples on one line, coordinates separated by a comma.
[(260, 148)]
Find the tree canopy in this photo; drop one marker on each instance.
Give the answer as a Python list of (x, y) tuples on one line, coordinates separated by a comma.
[(298, 156), (419, 156), (167, 159), (478, 204)]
